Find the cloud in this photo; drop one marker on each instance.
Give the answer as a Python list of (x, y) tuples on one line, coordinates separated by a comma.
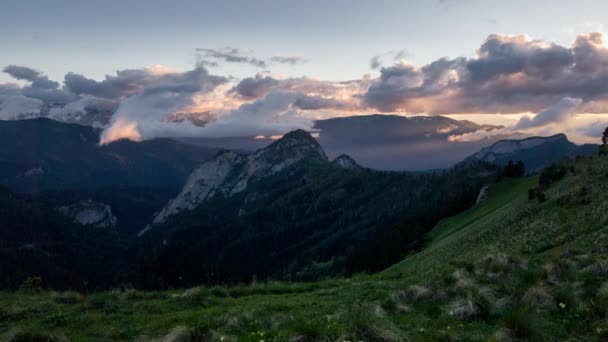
[(23, 73), (255, 87), (147, 113), (232, 55), (594, 130), (557, 113), (291, 60), (40, 87), (19, 107), (276, 113), (396, 55), (510, 74), (123, 84)]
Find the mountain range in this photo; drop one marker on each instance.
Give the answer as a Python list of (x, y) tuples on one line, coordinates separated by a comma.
[(173, 214), (378, 141), (535, 152)]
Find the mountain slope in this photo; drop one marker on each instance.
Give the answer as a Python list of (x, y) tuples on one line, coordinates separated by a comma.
[(39, 239), (507, 269), (535, 152), (288, 211)]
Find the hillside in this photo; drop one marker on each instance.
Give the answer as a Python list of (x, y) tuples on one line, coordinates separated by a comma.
[(509, 268)]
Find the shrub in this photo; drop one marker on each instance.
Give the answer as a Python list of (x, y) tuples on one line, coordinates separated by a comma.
[(184, 334), (413, 294), (32, 283), (532, 193), (368, 323), (551, 175), (520, 322), (539, 297), (462, 309), (541, 197)]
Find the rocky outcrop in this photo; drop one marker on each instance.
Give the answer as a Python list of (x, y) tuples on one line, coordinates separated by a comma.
[(483, 194), (346, 162), (90, 213), (229, 173)]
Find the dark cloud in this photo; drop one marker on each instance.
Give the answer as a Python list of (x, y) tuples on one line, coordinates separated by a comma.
[(124, 83), (375, 63), (231, 55), (23, 73), (255, 87), (40, 87), (510, 74)]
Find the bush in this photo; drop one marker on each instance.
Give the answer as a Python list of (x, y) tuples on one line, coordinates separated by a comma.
[(32, 284), (541, 197), (183, 334), (532, 193), (551, 175), (520, 322), (368, 323)]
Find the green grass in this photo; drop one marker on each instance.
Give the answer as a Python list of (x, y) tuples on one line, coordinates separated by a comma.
[(509, 268), (499, 195)]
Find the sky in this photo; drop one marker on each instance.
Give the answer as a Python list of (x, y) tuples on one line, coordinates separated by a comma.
[(172, 62)]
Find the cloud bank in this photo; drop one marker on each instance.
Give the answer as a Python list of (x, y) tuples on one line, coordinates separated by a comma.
[(509, 74)]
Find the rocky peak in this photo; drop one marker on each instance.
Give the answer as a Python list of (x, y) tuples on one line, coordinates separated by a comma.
[(346, 162), (295, 143), (229, 173)]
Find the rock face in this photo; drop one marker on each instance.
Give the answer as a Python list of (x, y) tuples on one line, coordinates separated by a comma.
[(229, 173), (346, 162), (90, 213), (483, 194)]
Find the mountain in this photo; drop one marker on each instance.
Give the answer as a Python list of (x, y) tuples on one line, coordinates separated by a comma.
[(288, 211), (66, 163), (510, 268), (535, 152), (43, 154), (379, 141), (68, 247)]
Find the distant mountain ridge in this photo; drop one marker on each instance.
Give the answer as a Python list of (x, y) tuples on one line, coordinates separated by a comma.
[(43, 154), (381, 141), (535, 152)]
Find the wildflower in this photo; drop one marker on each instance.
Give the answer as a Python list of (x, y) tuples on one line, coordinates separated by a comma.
[(562, 305)]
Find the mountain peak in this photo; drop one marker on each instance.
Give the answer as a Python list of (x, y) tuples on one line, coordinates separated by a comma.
[(346, 162), (295, 144)]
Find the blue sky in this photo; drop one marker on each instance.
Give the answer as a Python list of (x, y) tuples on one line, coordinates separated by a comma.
[(337, 37)]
